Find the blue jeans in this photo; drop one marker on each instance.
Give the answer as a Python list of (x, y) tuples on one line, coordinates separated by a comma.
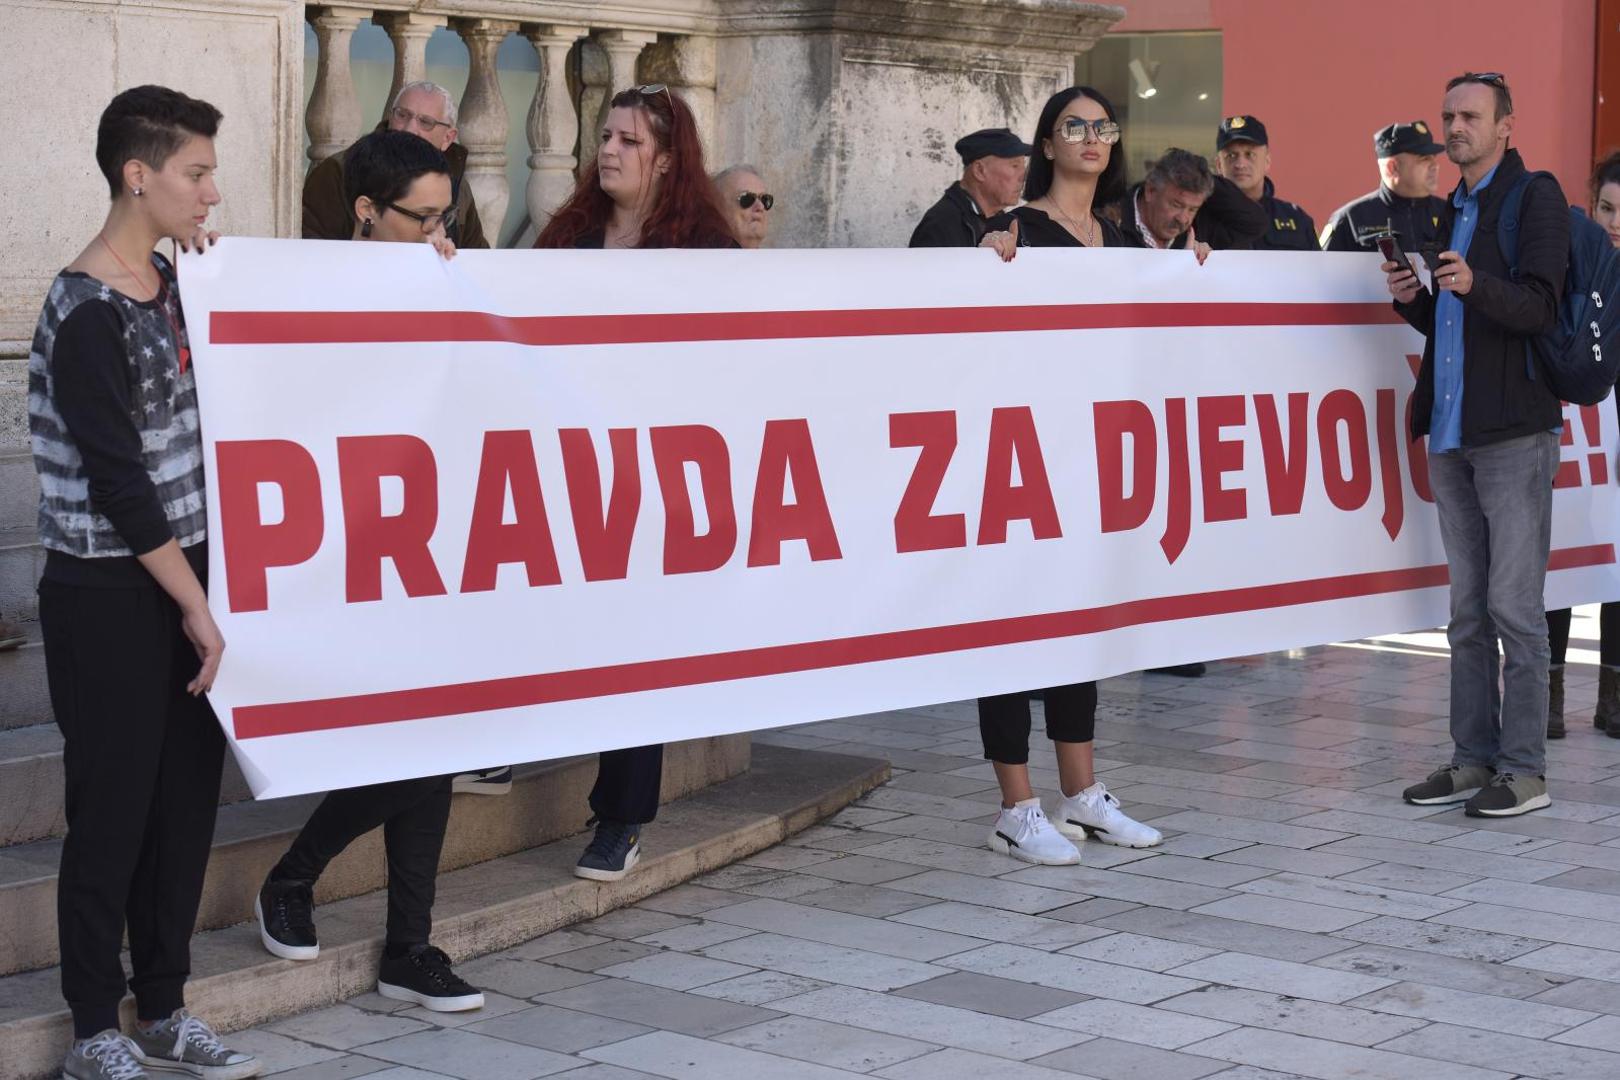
[(1495, 506)]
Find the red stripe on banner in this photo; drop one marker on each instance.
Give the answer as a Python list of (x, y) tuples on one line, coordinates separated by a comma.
[(292, 717), (352, 327)]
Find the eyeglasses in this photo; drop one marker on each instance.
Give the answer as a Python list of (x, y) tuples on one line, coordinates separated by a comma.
[(1492, 78), (429, 222), (745, 199), (426, 123), (654, 89), (1073, 129)]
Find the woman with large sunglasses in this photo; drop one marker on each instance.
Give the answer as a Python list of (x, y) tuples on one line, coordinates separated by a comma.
[(399, 188), (646, 188), (1077, 167)]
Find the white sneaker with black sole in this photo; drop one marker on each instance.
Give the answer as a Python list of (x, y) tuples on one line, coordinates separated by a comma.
[(1023, 832), (1095, 813)]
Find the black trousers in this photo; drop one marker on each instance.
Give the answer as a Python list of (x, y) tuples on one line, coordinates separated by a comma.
[(1558, 623), (628, 783), (413, 815), (1071, 716), (142, 761)]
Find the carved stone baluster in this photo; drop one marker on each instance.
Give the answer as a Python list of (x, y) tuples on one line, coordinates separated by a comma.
[(623, 48), (409, 31), (553, 126), (333, 116), (687, 65), (483, 121)]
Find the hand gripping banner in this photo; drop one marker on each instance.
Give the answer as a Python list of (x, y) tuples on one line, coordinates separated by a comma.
[(529, 504)]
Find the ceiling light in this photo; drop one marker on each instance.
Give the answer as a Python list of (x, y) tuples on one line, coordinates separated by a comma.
[(1143, 78)]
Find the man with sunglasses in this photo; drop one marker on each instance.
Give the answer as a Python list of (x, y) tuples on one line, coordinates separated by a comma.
[(428, 111), (1493, 430), (746, 202), (994, 162)]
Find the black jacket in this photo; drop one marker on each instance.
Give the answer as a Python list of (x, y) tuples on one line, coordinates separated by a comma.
[(1416, 222), (1036, 229), (1228, 219), (1504, 396), (954, 221), (1291, 227)]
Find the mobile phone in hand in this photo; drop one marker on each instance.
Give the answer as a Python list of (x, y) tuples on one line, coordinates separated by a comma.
[(1391, 248)]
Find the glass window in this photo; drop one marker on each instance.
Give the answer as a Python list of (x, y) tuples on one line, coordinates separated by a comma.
[(1166, 88)]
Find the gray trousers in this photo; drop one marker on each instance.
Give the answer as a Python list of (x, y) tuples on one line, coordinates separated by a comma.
[(1495, 506)]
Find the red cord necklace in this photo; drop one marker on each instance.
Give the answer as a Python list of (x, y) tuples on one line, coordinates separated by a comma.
[(161, 298)]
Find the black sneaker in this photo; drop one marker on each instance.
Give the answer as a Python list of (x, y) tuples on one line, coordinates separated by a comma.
[(423, 976), (1448, 784), (1509, 796), (1181, 671), (613, 852), (286, 914), (483, 781)]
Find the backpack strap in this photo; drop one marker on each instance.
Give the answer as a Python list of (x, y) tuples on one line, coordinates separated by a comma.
[(1507, 223)]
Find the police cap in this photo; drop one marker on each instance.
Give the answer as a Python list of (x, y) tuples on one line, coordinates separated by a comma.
[(991, 142), (1413, 138), (1240, 129)]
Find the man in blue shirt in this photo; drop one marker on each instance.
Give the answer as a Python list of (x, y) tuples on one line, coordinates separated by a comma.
[(1492, 424)]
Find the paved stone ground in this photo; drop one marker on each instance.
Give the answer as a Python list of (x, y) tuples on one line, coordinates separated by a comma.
[(1300, 921)]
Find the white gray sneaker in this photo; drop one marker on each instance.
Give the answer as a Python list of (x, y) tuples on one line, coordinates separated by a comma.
[(1096, 813), (186, 1044), (1024, 833), (106, 1055)]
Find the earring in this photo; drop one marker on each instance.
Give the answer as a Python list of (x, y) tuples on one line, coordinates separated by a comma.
[(138, 192), (365, 228)]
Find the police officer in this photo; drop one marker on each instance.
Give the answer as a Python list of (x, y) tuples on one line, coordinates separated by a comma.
[(1405, 202), (994, 162), (1243, 156)]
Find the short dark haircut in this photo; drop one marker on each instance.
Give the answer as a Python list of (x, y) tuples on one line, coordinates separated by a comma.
[(1606, 171), (148, 124), (1038, 181), (1181, 169), (1497, 83), (383, 165)]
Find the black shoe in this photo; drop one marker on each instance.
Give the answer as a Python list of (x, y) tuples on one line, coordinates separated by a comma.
[(286, 914), (423, 976), (613, 852), (483, 781), (1555, 702), (1449, 784), (1509, 796), (1183, 671)]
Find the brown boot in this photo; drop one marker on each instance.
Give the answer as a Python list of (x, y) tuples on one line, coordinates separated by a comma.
[(1607, 716), (1555, 702)]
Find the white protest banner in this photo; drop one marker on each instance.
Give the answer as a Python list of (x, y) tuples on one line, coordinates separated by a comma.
[(529, 504)]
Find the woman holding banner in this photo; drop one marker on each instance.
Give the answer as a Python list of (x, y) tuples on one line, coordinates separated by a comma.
[(399, 187), (130, 647), (646, 188), (1077, 166)]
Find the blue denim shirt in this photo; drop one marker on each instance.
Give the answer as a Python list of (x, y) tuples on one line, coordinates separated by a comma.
[(1445, 421)]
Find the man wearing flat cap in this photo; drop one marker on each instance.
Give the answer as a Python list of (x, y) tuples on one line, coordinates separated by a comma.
[(1243, 156), (1405, 202), (994, 162)]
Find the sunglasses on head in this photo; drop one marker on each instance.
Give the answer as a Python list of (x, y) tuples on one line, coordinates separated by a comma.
[(652, 90), (1073, 129), (745, 199)]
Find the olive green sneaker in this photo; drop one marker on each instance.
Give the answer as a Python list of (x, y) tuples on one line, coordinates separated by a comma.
[(1509, 796), (1448, 784)]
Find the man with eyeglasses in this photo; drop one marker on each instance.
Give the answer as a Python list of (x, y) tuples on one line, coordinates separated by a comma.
[(426, 110), (746, 202), (1404, 204), (1493, 429), (1243, 156), (994, 162)]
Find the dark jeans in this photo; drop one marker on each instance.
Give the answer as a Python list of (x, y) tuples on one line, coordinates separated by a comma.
[(1608, 635), (142, 760), (1071, 716), (413, 815), (628, 783), (1495, 505)]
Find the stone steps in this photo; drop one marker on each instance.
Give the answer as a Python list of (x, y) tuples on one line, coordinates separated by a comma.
[(493, 905), (548, 800), (24, 699)]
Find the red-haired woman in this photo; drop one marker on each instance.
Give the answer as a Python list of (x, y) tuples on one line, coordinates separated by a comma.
[(647, 188)]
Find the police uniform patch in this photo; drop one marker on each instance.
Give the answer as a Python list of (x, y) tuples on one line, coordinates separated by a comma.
[(1421, 127)]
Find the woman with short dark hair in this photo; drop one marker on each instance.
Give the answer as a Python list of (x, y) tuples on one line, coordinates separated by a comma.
[(130, 646), (1077, 168)]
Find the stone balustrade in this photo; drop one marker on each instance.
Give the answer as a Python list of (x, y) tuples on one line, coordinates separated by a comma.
[(562, 122)]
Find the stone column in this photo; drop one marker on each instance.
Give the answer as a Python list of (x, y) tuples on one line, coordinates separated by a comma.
[(409, 31), (483, 121), (622, 49), (686, 65), (333, 116), (553, 126)]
